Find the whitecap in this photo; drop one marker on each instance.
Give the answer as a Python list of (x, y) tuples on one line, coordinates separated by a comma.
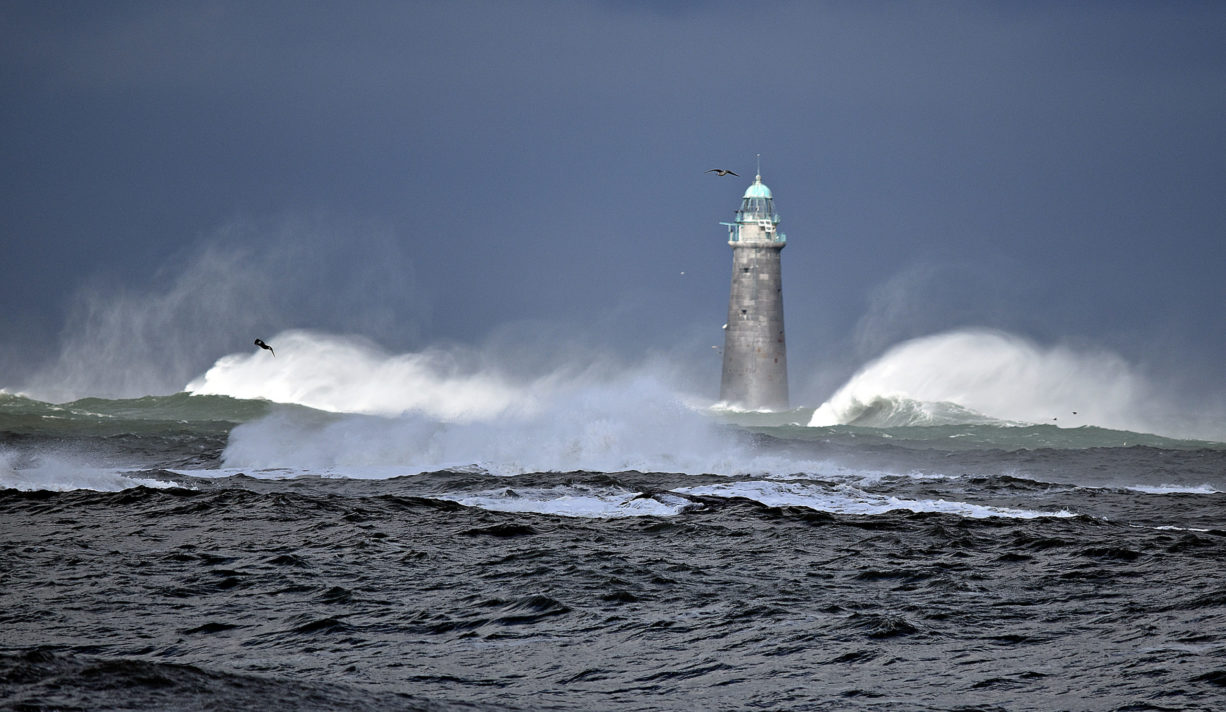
[(573, 502), (1174, 489), (62, 473), (849, 500)]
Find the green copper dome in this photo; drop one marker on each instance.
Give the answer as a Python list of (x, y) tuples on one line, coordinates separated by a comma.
[(756, 222), (758, 204), (758, 189)]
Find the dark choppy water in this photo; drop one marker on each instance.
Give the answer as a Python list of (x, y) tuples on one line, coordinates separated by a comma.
[(142, 567)]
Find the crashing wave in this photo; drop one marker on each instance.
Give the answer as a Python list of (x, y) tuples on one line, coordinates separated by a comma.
[(982, 376), (896, 411)]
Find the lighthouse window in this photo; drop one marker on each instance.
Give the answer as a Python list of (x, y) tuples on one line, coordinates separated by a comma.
[(745, 270)]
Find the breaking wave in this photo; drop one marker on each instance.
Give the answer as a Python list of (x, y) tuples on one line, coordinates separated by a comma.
[(352, 375), (896, 411), (612, 502), (981, 376)]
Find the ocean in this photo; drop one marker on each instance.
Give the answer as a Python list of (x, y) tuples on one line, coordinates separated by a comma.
[(610, 547)]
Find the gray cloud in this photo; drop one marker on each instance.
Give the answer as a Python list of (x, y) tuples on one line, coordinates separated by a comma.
[(542, 163)]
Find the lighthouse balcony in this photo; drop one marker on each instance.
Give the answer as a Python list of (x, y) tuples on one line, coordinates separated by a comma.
[(765, 234)]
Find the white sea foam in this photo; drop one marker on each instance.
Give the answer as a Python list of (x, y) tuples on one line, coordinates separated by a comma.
[(64, 473), (849, 500), (351, 375), (593, 502), (1174, 489), (453, 408), (629, 423), (971, 375), (426, 411), (572, 502)]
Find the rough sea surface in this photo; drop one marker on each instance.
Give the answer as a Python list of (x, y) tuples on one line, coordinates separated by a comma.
[(144, 566)]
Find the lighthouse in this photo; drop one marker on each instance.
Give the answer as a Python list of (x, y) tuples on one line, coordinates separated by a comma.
[(755, 373)]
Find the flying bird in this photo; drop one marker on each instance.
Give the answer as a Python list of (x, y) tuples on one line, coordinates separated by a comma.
[(722, 172), (261, 344)]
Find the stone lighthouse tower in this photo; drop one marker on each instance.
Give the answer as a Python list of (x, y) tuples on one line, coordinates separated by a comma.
[(755, 351)]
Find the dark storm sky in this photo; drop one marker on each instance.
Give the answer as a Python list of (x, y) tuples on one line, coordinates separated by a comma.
[(490, 172)]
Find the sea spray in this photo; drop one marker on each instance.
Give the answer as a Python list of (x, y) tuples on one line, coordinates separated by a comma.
[(350, 374), (455, 407), (629, 421), (126, 341), (981, 375), (49, 469), (121, 342)]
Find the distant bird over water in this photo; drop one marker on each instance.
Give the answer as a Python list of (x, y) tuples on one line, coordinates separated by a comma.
[(722, 172), (261, 344)]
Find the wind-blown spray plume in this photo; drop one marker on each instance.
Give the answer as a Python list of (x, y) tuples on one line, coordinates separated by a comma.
[(122, 342), (135, 340), (979, 375)]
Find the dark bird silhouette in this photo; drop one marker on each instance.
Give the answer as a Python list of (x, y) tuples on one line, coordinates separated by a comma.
[(722, 172), (261, 344)]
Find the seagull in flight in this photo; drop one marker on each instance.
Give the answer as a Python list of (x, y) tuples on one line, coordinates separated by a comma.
[(261, 344), (722, 172)]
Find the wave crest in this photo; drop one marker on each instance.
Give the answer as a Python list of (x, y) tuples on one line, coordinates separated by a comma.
[(895, 411), (981, 376), (347, 374)]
